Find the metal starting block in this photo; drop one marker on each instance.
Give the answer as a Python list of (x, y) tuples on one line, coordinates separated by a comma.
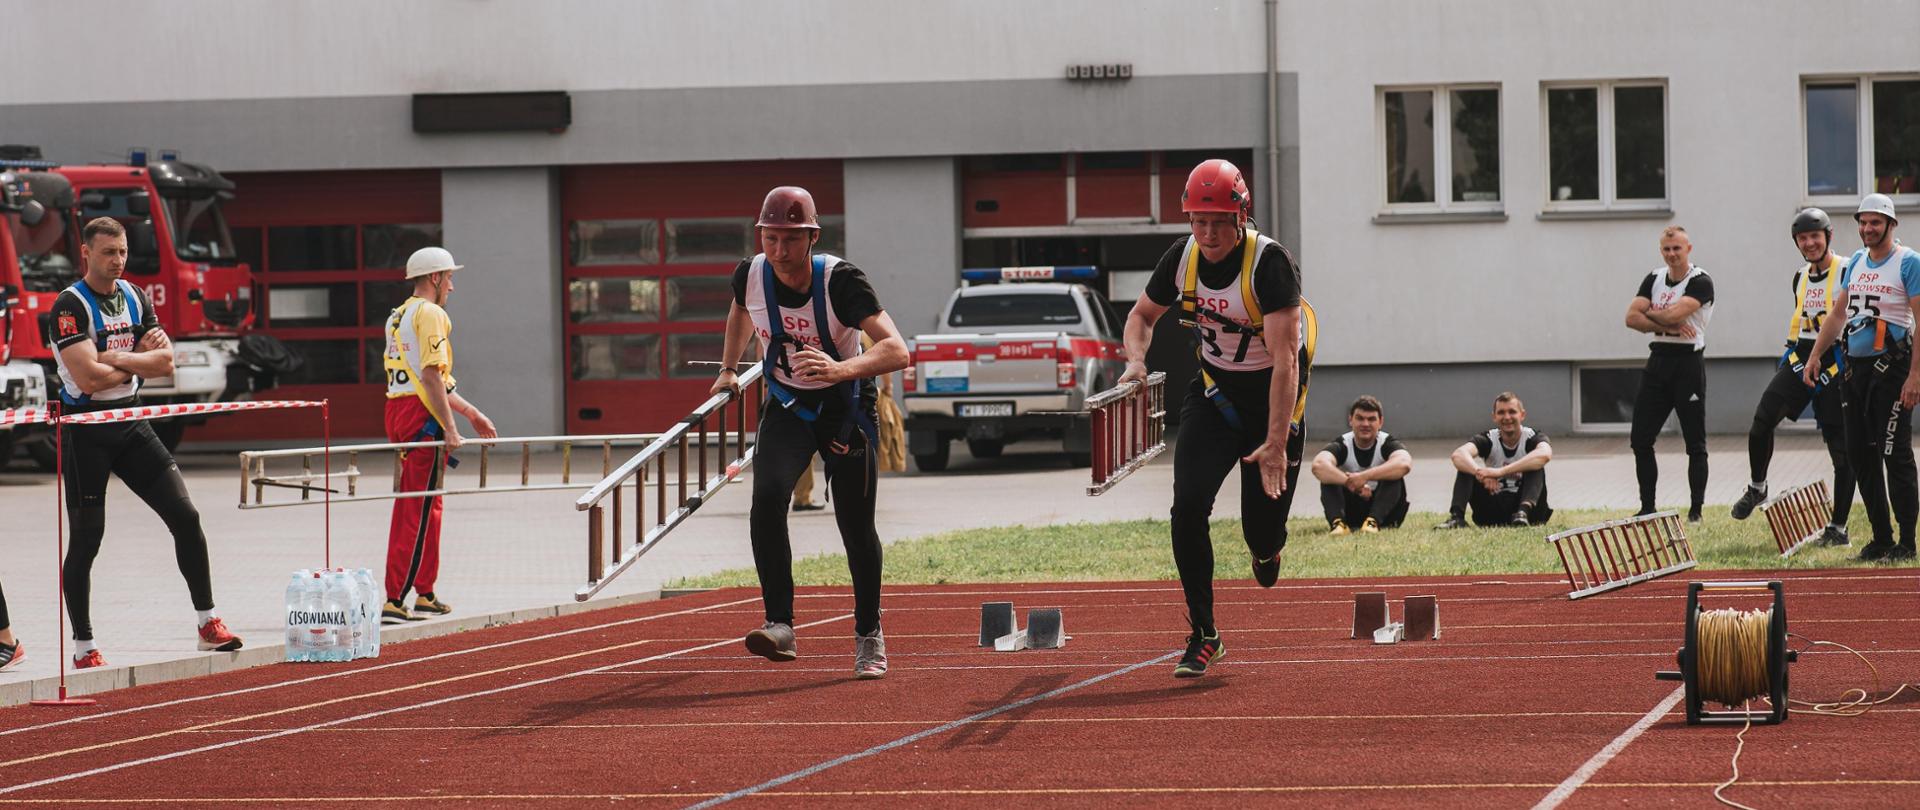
[(1798, 516), (1422, 615), (996, 620), (1618, 553), (1046, 628), (1369, 613)]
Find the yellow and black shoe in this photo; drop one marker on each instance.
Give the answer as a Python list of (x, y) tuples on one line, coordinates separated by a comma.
[(395, 613), (1339, 528), (1370, 526), (425, 603), (1201, 651)]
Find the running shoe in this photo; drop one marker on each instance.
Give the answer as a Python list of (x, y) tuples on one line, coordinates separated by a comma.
[(1267, 571), (11, 655), (1834, 536), (1693, 515), (1520, 519), (89, 660), (395, 613), (1876, 551), (1453, 522), (869, 656), (1748, 501), (1370, 526), (1339, 528), (1904, 551), (426, 603), (215, 636), (1201, 651), (773, 641)]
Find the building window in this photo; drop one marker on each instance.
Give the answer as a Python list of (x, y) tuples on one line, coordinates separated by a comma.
[(1606, 145), (1603, 397), (1442, 148), (1877, 119)]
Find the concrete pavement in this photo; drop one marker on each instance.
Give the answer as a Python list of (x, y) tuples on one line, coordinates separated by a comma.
[(513, 556)]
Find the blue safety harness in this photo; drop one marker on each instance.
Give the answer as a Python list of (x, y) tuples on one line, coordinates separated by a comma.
[(87, 294), (776, 352)]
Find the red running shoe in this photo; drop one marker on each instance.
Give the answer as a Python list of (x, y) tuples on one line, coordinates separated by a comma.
[(11, 655), (215, 636), (89, 660)]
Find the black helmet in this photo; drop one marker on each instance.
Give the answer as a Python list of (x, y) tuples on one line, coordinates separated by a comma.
[(1810, 220)]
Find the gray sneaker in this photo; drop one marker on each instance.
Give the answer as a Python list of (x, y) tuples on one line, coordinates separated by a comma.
[(773, 641), (870, 656), (1749, 499)]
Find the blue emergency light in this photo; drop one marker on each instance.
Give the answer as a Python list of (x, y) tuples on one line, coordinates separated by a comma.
[(987, 275)]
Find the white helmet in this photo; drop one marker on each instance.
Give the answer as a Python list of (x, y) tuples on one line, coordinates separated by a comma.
[(1877, 204), (429, 260)]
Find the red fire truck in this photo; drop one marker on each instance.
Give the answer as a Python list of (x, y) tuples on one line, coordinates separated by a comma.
[(181, 255)]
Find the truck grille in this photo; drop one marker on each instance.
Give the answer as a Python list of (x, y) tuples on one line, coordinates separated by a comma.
[(227, 313)]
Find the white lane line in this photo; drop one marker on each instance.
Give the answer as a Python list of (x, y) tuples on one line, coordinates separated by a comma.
[(1592, 766), (921, 735), (370, 715), (376, 668)]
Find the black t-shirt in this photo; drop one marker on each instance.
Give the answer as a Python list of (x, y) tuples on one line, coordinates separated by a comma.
[(1699, 289), (1276, 276), (70, 320), (1485, 445), (1387, 448), (1276, 286), (848, 292)]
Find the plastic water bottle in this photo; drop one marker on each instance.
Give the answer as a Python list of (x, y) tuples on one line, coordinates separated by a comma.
[(356, 625), (311, 641), (335, 603), (296, 627), (373, 595)]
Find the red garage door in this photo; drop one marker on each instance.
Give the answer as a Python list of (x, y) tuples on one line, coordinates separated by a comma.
[(328, 251), (648, 268)]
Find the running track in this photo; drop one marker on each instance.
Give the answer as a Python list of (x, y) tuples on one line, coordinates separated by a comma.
[(1528, 701)]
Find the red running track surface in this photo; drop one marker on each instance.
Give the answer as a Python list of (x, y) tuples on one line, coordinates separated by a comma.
[(658, 705)]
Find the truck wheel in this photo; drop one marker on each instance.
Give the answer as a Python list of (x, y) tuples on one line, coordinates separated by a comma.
[(985, 448), (40, 449), (169, 431), (935, 461)]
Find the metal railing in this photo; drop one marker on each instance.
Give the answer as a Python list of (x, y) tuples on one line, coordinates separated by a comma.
[(1128, 429), (606, 558), (256, 480)]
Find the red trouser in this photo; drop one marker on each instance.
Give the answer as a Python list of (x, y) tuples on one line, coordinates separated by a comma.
[(413, 543)]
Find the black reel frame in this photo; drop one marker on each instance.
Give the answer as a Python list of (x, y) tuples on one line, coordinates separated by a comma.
[(1778, 656)]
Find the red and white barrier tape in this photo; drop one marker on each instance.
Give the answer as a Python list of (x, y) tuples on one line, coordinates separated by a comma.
[(31, 416)]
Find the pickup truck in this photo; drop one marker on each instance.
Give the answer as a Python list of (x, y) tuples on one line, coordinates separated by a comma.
[(1019, 362)]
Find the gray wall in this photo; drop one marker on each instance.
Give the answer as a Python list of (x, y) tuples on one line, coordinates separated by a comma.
[(903, 229), (503, 225), (1456, 400)]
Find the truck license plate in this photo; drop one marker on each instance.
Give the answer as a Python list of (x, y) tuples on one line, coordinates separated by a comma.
[(973, 409)]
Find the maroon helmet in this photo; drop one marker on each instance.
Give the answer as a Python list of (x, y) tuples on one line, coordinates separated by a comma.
[(789, 207)]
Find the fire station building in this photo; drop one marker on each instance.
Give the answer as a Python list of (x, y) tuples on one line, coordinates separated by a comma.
[(1475, 189)]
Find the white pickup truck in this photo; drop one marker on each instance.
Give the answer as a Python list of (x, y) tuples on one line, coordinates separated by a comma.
[(1019, 362)]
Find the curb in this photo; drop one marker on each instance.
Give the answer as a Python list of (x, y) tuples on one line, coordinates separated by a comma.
[(112, 678)]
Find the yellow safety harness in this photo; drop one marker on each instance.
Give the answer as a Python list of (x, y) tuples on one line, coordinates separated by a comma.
[(1792, 356), (1192, 315)]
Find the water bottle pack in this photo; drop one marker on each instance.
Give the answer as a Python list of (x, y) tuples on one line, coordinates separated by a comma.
[(332, 615)]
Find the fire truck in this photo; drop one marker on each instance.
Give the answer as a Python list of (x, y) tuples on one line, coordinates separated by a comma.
[(180, 254), (22, 383)]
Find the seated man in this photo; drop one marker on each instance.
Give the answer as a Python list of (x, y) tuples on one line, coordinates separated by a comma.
[(1503, 472), (1362, 474)]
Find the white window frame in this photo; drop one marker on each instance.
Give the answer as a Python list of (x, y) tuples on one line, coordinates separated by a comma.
[(1609, 150), (1863, 124), (1442, 151)]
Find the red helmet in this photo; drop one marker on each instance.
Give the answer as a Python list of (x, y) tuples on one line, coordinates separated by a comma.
[(789, 207), (1216, 186)]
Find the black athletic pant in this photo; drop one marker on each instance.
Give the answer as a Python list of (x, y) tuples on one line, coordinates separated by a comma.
[(785, 447), (131, 451), (1387, 507), (1206, 450), (4, 621), (1498, 508), (1675, 381), (1880, 443), (1786, 396)]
